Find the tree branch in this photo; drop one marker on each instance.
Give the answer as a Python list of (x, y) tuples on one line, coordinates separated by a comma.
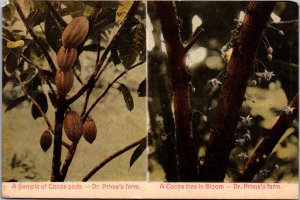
[(107, 89), (110, 158), (36, 104), (187, 156), (193, 40), (35, 38), (55, 14), (56, 159), (221, 140), (35, 65), (68, 161), (91, 80), (258, 158)]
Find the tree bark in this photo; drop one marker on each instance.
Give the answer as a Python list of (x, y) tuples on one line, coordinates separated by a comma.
[(260, 155), (221, 140), (56, 159), (187, 157)]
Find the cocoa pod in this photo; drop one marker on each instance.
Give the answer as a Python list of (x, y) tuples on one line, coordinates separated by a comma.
[(66, 58), (89, 130), (75, 33), (73, 126), (46, 140), (64, 81)]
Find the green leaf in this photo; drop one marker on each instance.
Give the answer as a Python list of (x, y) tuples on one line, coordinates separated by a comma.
[(29, 74), (122, 11), (127, 96), (15, 44), (52, 98), (11, 62), (8, 34), (138, 152), (8, 12), (15, 103), (131, 45), (142, 88), (41, 99), (36, 17), (114, 56), (53, 32)]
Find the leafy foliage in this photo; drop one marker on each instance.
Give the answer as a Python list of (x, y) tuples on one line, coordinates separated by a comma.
[(122, 11), (132, 45), (138, 152), (53, 32), (127, 96), (41, 99)]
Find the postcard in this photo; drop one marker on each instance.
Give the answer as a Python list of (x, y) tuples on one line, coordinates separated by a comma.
[(150, 99)]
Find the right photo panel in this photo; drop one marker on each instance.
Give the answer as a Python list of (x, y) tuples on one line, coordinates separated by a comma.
[(222, 91)]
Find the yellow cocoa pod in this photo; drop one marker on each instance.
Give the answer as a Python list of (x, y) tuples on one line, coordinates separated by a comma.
[(73, 126), (64, 81), (89, 130), (75, 33), (46, 140), (66, 58)]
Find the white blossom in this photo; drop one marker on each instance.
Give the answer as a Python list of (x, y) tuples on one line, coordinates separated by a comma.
[(204, 117), (264, 156), (242, 156), (281, 32), (264, 172), (288, 110), (215, 82), (268, 75), (247, 136), (240, 141), (270, 50), (270, 57), (246, 120)]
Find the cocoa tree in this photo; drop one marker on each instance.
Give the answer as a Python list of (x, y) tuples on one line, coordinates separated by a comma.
[(125, 46), (246, 38)]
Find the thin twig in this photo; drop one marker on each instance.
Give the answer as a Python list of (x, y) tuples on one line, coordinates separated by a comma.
[(259, 157), (107, 89), (36, 104), (35, 65), (68, 161), (91, 80), (56, 15), (40, 110), (89, 91), (35, 38), (193, 40), (110, 158)]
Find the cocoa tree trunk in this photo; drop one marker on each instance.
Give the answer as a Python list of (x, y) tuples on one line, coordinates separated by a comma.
[(258, 159), (56, 160), (221, 140), (187, 157)]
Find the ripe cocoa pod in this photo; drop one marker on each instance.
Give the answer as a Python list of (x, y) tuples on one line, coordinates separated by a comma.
[(73, 126), (46, 140), (64, 81), (75, 33), (89, 130), (66, 58)]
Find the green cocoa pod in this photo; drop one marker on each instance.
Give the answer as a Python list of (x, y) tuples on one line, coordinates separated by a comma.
[(89, 130), (73, 126), (64, 81), (66, 58), (75, 33)]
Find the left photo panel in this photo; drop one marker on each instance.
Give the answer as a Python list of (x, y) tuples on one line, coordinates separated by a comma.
[(74, 91)]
